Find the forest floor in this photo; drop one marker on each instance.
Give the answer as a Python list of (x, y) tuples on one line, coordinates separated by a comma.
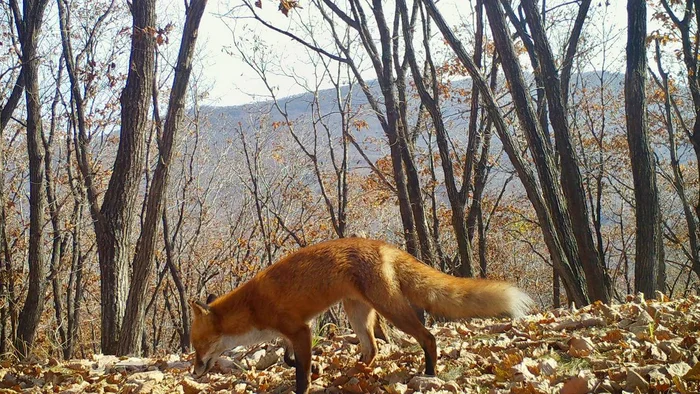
[(640, 346)]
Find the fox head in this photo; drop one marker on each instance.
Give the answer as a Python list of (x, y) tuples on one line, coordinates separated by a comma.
[(205, 337)]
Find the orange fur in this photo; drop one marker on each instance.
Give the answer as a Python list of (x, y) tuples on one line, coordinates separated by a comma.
[(367, 276)]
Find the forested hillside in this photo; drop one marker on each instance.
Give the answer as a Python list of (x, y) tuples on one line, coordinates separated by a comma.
[(550, 144)]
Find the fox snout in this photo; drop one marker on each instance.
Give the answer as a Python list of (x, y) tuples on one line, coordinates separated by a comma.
[(201, 367)]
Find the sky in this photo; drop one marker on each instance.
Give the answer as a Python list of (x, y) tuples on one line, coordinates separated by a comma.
[(231, 82)]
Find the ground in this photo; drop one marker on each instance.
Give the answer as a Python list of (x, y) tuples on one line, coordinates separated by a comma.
[(640, 346)]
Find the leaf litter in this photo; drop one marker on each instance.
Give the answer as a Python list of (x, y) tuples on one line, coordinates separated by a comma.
[(641, 346)]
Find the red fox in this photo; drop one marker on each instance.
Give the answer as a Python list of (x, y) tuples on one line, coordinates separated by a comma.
[(368, 276)]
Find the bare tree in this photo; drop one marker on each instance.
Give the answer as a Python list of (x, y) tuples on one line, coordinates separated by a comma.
[(29, 22), (692, 131), (390, 71), (132, 325), (113, 219), (430, 99), (6, 287), (570, 177), (547, 202), (648, 270)]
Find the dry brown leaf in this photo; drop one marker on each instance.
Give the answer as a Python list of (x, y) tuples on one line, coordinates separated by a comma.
[(693, 374), (580, 346), (579, 384)]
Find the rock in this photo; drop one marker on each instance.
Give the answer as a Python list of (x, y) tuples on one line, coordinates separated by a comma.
[(132, 364), (397, 388), (266, 361), (424, 383), (156, 376)]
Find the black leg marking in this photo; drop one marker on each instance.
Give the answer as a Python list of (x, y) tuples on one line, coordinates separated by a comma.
[(429, 363), (302, 382), (289, 358)]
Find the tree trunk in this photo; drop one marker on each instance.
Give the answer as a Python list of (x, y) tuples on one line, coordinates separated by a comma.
[(6, 287), (690, 60), (387, 83), (571, 180), (570, 270), (182, 296), (648, 248), (33, 12), (678, 181), (457, 197), (54, 207), (117, 211), (132, 326)]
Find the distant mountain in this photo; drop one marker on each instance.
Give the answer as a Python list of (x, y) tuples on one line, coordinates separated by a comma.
[(298, 107), (221, 122)]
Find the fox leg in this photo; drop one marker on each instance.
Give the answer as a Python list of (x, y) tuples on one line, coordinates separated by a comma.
[(301, 342), (402, 315), (362, 320)]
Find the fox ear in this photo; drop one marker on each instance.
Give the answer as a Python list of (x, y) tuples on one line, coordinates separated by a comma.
[(211, 298), (199, 308)]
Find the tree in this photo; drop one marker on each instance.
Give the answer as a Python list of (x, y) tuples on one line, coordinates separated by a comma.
[(132, 325), (6, 286), (547, 202), (430, 99), (648, 270), (391, 73), (692, 129), (29, 22), (556, 89), (113, 219)]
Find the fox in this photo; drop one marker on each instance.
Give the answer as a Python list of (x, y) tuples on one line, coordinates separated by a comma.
[(368, 276)]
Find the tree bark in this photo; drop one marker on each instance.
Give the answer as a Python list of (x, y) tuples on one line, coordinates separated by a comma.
[(33, 13), (648, 242), (133, 323)]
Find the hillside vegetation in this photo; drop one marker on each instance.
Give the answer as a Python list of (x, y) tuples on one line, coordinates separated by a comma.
[(639, 346)]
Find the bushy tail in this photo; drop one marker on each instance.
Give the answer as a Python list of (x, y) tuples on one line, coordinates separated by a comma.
[(458, 298)]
